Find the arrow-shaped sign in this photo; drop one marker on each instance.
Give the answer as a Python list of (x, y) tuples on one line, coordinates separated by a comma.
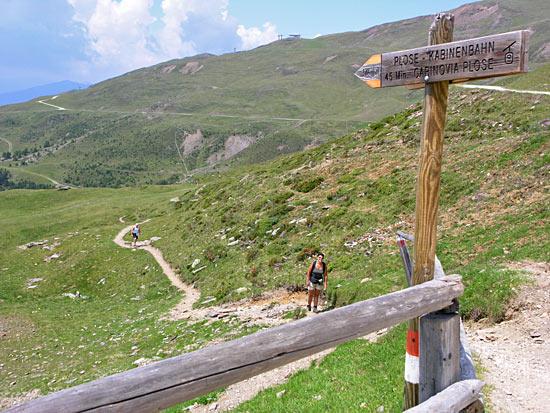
[(482, 57)]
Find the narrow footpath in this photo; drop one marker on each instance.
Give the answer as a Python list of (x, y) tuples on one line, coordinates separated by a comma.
[(191, 294), (515, 353), (268, 310)]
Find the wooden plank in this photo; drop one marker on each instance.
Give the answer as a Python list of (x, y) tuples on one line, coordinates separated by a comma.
[(452, 399), (427, 194), (172, 381), (482, 57), (439, 353)]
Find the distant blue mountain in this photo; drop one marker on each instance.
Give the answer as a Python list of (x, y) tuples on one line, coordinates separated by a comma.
[(25, 95)]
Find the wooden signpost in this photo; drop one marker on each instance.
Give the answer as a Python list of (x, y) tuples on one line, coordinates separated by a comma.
[(434, 67), (483, 57)]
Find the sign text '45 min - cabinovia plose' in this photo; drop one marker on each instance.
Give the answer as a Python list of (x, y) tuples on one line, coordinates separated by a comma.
[(489, 56)]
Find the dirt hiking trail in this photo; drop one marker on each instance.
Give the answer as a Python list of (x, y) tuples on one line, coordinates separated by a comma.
[(191, 294), (267, 309), (515, 354), (503, 89)]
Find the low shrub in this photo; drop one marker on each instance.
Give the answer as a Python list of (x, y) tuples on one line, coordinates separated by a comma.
[(308, 186)]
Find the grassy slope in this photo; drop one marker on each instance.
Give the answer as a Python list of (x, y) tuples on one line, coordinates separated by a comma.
[(495, 150), (494, 205), (305, 79), (50, 341), (537, 80)]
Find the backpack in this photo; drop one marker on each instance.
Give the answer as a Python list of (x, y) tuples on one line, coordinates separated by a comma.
[(313, 277)]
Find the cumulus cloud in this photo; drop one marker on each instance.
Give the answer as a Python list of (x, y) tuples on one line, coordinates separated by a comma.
[(125, 33), (92, 40), (254, 36), (194, 26), (116, 32)]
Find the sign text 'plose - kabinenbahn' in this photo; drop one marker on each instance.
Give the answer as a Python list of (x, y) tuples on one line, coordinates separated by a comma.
[(489, 56)]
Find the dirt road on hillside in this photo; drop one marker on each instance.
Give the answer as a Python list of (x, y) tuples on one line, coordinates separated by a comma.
[(49, 104), (503, 89), (53, 181), (10, 145)]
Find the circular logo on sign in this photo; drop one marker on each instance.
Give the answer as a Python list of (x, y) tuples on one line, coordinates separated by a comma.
[(509, 58)]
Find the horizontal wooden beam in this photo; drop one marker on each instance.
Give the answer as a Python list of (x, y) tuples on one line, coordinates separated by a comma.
[(453, 399), (479, 58), (178, 379)]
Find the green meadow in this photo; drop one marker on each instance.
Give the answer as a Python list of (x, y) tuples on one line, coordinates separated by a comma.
[(277, 99), (346, 198)]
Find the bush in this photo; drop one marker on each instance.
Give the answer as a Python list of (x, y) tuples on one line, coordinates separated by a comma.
[(264, 225), (308, 186), (215, 252), (333, 215), (307, 252), (251, 255)]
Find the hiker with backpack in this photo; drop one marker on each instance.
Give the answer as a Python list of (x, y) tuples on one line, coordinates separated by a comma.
[(136, 232), (316, 281)]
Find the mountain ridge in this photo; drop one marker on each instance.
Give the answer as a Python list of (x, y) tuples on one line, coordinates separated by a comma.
[(24, 95), (281, 98)]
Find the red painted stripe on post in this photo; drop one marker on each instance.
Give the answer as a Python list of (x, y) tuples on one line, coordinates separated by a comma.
[(412, 343)]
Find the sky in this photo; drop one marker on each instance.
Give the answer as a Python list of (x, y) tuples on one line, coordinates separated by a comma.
[(87, 41)]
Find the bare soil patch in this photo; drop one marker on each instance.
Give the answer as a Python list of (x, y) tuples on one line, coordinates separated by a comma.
[(191, 141), (267, 309), (6, 403)]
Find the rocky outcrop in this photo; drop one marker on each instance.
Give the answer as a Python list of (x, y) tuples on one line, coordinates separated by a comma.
[(191, 68), (191, 141)]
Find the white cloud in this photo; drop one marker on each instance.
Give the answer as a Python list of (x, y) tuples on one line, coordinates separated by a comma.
[(254, 36), (117, 32), (92, 40), (192, 26), (124, 35)]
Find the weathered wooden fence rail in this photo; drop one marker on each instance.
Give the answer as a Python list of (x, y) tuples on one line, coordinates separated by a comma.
[(178, 379), (453, 399)]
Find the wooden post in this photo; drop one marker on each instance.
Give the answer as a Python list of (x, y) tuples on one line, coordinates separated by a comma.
[(439, 353), (429, 169), (427, 196), (433, 67), (467, 365)]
